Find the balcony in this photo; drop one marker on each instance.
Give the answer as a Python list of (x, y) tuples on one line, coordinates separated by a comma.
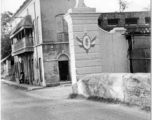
[(22, 46)]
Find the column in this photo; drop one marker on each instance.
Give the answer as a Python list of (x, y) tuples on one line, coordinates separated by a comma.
[(83, 41)]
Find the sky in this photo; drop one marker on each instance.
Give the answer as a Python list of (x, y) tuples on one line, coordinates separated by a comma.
[(100, 5)]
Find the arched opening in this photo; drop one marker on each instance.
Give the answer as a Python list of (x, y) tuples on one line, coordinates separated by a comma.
[(63, 64)]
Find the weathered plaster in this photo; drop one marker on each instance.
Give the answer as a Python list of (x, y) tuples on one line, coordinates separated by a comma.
[(127, 87)]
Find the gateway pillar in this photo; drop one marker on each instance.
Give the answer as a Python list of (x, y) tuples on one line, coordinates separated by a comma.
[(83, 41)]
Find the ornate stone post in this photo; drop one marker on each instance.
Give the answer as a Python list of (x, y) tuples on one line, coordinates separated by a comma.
[(83, 41)]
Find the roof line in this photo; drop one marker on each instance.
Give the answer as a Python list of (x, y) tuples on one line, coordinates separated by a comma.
[(26, 2), (126, 12)]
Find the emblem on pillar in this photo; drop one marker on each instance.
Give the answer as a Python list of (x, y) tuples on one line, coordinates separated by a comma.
[(86, 42)]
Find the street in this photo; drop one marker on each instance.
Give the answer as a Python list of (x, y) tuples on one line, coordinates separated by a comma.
[(18, 104)]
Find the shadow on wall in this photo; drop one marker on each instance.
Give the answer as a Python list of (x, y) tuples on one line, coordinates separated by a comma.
[(127, 87)]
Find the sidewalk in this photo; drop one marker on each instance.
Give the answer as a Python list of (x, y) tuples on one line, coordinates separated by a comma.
[(57, 92), (23, 86)]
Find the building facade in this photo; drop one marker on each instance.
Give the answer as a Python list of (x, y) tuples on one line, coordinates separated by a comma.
[(40, 41), (7, 65), (138, 35), (128, 20)]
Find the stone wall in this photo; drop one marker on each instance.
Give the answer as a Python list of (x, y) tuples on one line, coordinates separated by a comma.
[(121, 16), (51, 53), (127, 87)]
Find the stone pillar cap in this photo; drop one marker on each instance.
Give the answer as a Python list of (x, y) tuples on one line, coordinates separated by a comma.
[(118, 29), (80, 3), (81, 8)]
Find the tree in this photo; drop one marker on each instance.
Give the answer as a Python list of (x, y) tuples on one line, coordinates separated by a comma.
[(148, 8), (5, 27), (123, 5)]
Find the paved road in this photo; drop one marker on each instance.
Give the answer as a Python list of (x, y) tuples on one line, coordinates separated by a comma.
[(22, 105)]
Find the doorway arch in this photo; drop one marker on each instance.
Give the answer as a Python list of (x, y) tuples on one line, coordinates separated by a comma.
[(63, 65)]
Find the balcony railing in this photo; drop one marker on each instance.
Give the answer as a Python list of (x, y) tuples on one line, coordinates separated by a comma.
[(22, 46)]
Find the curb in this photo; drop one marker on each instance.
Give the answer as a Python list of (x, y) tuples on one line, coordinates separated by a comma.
[(22, 86)]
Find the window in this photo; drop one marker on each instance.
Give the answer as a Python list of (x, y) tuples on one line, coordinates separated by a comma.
[(113, 21), (37, 30), (32, 68), (12, 41), (147, 20), (23, 34), (131, 21), (12, 62), (59, 23), (40, 69), (34, 31), (27, 12), (99, 22)]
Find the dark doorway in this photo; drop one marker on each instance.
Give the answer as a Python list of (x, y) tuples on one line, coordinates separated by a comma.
[(139, 53), (64, 70)]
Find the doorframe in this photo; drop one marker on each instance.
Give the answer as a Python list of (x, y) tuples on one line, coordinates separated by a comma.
[(68, 65)]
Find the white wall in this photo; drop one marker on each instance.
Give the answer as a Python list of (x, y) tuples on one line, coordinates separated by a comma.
[(113, 46)]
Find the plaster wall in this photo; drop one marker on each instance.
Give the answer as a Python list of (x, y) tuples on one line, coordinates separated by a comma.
[(33, 8), (49, 9), (51, 52), (6, 67), (113, 51), (55, 36)]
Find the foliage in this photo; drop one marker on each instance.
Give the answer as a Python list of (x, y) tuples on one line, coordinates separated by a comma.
[(148, 8), (5, 46), (5, 27), (123, 5), (5, 18)]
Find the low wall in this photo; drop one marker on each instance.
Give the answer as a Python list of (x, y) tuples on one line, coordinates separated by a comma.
[(127, 87)]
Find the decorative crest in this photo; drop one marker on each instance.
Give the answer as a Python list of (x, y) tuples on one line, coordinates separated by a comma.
[(86, 42)]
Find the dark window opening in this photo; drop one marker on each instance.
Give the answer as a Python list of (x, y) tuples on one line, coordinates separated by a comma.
[(19, 37), (12, 41), (12, 62), (99, 22), (40, 70), (28, 32), (113, 21), (147, 20), (23, 34), (22, 66), (32, 67), (131, 21)]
